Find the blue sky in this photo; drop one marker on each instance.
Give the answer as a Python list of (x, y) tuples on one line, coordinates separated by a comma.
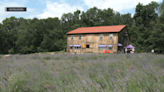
[(55, 8)]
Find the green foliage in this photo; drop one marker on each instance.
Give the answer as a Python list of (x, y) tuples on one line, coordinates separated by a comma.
[(47, 58), (39, 49), (36, 57), (57, 58), (138, 51), (95, 58), (108, 73), (145, 28), (18, 83), (11, 51), (25, 50)]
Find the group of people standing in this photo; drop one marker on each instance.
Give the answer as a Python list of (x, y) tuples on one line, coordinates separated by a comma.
[(131, 50)]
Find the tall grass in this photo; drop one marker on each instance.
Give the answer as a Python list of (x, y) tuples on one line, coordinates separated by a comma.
[(82, 73)]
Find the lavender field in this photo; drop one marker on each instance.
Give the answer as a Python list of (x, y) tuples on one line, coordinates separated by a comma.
[(82, 73)]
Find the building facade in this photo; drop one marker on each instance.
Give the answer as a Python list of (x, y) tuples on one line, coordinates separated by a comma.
[(96, 39)]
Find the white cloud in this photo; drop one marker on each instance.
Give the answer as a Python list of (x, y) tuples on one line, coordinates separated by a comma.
[(56, 9), (117, 5), (132, 14), (30, 10)]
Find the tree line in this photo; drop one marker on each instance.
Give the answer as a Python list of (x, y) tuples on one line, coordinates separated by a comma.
[(145, 27)]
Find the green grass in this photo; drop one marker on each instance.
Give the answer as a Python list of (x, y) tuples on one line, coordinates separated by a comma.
[(82, 73)]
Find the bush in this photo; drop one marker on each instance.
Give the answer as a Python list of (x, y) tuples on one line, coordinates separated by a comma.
[(138, 51), (39, 49), (57, 58), (18, 83), (11, 51), (75, 58), (47, 58), (25, 50)]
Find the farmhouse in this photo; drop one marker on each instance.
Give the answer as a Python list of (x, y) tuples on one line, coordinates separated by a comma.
[(96, 39)]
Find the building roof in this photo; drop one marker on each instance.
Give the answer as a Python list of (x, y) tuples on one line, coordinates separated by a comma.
[(130, 46), (97, 29)]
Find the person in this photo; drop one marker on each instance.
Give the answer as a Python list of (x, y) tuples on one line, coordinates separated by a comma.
[(126, 50), (152, 51), (132, 50)]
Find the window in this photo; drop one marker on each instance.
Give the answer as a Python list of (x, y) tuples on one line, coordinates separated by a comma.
[(126, 34), (72, 36), (101, 36), (71, 47), (102, 48), (87, 46), (110, 36), (77, 47), (80, 37), (110, 48)]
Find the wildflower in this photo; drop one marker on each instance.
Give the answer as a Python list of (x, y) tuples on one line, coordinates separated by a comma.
[(84, 82), (125, 84)]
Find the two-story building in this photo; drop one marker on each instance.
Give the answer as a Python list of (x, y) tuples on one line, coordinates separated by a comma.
[(96, 39)]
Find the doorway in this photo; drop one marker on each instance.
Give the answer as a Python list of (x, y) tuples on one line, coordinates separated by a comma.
[(87, 46)]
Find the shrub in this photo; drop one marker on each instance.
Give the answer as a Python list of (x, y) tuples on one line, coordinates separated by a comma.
[(47, 58), (24, 50), (83, 73), (94, 57), (46, 85), (35, 57), (39, 49), (75, 58), (18, 83), (57, 58)]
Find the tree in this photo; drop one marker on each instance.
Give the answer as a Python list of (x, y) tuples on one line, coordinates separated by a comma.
[(145, 19), (3, 40), (127, 19), (158, 35), (19, 35), (107, 16), (67, 21), (10, 27)]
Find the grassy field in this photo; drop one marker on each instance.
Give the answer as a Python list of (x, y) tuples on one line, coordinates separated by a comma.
[(82, 73)]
